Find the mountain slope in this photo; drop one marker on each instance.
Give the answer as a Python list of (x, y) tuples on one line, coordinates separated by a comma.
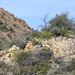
[(12, 28)]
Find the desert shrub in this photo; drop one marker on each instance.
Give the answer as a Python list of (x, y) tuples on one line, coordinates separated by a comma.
[(28, 37), (45, 49), (40, 68), (11, 44), (9, 36), (1, 45), (3, 38), (19, 71), (37, 57), (35, 33), (45, 35), (21, 56), (73, 72), (7, 45), (56, 72), (31, 60), (22, 71), (72, 66), (45, 53), (50, 61), (4, 68), (64, 32), (57, 60), (58, 32), (3, 28), (34, 42), (3, 65), (7, 52), (20, 44)]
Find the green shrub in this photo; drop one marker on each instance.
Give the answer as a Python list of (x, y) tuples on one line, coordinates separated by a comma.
[(9, 36), (50, 61), (1, 45), (3, 65), (45, 35), (45, 49), (56, 73), (7, 52), (58, 32), (3, 28), (34, 42), (61, 21), (61, 25), (11, 44), (45, 53), (72, 66), (7, 45), (21, 71), (64, 32), (73, 72), (21, 56), (40, 69), (4, 68), (20, 44), (28, 37), (35, 33)]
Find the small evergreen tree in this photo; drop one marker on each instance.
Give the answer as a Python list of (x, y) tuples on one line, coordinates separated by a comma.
[(60, 25)]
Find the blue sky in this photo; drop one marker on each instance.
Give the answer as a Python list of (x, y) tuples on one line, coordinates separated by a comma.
[(33, 10)]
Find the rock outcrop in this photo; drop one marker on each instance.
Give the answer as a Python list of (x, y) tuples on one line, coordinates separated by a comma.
[(7, 55), (61, 45), (29, 46)]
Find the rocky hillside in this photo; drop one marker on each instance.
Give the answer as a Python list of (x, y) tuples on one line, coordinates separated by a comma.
[(55, 56), (12, 28), (22, 54)]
